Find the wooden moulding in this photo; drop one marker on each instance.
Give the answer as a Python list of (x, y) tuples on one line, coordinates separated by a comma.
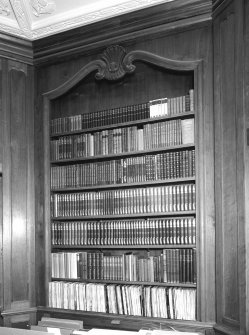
[(115, 63), (133, 323)]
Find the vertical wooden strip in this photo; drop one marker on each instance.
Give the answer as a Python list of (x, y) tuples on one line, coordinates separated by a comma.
[(47, 213), (226, 168), (19, 179), (229, 166), (7, 240), (244, 228), (18, 188), (30, 184), (218, 214)]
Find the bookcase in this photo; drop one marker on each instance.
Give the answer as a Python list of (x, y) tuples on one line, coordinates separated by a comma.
[(122, 192)]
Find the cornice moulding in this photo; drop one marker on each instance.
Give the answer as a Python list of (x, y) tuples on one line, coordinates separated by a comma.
[(131, 15), (16, 48), (61, 23), (126, 28), (56, 23), (11, 27)]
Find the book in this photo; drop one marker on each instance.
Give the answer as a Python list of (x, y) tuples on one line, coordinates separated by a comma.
[(188, 131)]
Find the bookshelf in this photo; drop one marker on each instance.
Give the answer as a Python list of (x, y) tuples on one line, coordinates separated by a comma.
[(121, 191)]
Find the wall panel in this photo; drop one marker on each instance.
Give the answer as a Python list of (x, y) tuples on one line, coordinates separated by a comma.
[(229, 166), (225, 163), (18, 189)]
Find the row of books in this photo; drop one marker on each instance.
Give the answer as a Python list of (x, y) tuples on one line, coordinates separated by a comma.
[(122, 140), (156, 199), (153, 108), (125, 232), (171, 266), (149, 301), (167, 165), (172, 106)]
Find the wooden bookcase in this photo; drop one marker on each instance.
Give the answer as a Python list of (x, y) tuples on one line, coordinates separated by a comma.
[(134, 229)]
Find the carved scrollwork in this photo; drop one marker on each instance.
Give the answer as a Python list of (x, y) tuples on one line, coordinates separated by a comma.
[(4, 7), (42, 7), (115, 67), (116, 63), (19, 10)]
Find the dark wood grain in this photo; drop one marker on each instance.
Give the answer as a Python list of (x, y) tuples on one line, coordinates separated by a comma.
[(18, 189), (14, 48), (230, 141), (242, 95), (129, 322)]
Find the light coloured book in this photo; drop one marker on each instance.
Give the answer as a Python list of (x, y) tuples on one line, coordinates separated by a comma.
[(188, 131)]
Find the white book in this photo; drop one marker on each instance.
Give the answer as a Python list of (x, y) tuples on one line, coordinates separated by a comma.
[(188, 131)]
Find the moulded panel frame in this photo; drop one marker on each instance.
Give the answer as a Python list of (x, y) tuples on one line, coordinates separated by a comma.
[(205, 241)]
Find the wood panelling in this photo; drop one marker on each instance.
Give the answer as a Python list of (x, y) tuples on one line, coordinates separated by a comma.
[(225, 164), (179, 30), (18, 190), (219, 5), (229, 168), (18, 187), (100, 94), (16, 49), (244, 230)]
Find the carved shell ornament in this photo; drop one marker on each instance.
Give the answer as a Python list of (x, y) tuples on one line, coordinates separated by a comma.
[(115, 62), (114, 67)]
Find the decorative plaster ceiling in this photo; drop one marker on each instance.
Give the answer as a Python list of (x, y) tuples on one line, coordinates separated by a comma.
[(35, 19)]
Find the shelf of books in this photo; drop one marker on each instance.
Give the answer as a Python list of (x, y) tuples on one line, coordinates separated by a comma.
[(123, 210)]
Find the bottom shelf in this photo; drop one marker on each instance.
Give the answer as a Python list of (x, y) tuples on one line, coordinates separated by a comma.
[(124, 322), (136, 300)]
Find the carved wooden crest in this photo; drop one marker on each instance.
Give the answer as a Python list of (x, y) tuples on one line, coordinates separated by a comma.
[(114, 63)]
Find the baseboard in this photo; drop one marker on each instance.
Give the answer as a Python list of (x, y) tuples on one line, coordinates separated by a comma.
[(221, 329)]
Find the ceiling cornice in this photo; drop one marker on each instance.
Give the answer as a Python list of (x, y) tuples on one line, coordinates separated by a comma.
[(35, 19), (74, 18), (145, 23), (148, 22)]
